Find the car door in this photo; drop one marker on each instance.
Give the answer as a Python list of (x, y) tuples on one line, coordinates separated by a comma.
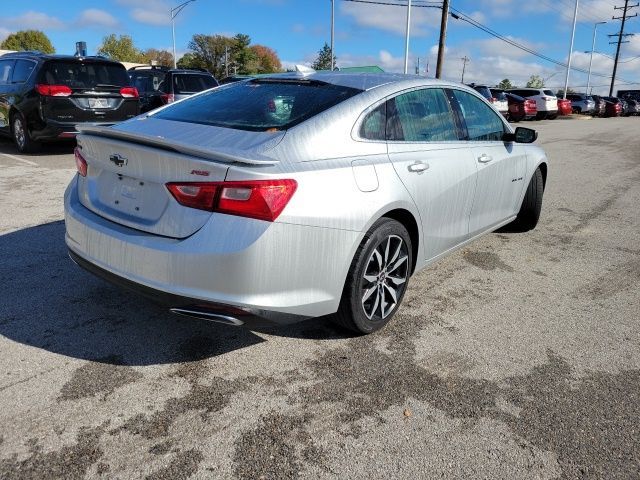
[(6, 67), (434, 164), (501, 165)]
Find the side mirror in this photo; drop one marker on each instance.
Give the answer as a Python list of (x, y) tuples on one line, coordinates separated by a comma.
[(521, 135)]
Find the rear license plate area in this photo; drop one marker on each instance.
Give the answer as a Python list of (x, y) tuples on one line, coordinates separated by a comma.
[(98, 103)]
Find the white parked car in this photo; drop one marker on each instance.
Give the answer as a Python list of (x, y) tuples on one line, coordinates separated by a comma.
[(546, 101)]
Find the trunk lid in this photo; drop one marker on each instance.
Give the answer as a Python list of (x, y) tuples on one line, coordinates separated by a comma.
[(129, 165)]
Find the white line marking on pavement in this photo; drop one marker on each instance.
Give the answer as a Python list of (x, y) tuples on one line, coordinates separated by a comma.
[(28, 162)]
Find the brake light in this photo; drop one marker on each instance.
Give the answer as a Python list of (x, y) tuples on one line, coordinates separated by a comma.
[(81, 163), (53, 90), (167, 98), (261, 199), (129, 92)]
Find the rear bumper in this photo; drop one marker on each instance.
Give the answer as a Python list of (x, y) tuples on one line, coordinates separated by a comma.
[(54, 130), (277, 271)]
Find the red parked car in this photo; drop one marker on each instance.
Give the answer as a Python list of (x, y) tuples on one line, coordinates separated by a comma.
[(613, 107), (564, 106), (521, 108)]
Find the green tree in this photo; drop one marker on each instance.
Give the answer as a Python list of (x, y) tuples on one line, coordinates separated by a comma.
[(535, 81), (28, 40), (189, 60), (242, 57), (121, 49), (323, 60), (505, 84), (208, 51)]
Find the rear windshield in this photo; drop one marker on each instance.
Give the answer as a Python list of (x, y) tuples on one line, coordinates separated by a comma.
[(147, 81), (84, 75), (192, 83), (549, 93), (259, 105), (484, 91), (498, 95)]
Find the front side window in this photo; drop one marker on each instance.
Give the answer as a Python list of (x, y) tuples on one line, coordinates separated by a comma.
[(483, 123), (421, 116)]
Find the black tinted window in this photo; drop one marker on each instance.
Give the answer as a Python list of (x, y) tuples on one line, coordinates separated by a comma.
[(84, 75), (5, 71), (422, 116), (147, 82), (22, 70), (188, 83), (483, 124), (484, 91), (259, 104), (374, 125), (549, 93)]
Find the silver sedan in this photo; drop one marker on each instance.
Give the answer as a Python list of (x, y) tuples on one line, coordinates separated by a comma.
[(298, 195)]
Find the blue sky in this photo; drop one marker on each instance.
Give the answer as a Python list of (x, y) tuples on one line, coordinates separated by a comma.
[(365, 33)]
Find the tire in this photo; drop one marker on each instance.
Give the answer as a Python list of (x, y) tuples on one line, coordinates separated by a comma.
[(553, 116), (21, 136), (529, 213), (379, 271)]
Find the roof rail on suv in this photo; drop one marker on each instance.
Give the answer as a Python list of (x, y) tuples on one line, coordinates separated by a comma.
[(153, 67)]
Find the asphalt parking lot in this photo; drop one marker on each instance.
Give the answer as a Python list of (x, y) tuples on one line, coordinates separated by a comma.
[(516, 357)]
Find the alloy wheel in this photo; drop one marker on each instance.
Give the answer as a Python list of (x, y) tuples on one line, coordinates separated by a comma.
[(385, 277), (18, 132)]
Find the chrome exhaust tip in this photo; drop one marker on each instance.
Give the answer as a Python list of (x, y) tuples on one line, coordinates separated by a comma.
[(204, 315)]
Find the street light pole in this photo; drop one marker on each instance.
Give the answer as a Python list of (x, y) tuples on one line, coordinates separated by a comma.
[(406, 43), (573, 32), (332, 31), (593, 46), (174, 13)]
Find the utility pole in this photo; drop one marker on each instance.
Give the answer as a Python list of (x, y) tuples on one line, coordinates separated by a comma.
[(573, 33), (593, 46), (443, 37), (226, 60), (464, 59), (406, 44), (620, 34)]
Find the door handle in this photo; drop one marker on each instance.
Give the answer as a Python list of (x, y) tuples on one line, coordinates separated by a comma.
[(418, 167), (484, 158)]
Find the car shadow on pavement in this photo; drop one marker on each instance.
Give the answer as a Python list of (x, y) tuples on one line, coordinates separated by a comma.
[(48, 302), (61, 147)]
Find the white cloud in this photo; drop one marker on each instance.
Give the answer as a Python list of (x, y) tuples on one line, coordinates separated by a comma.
[(35, 21), (495, 46), (96, 17), (392, 18), (4, 33), (151, 17)]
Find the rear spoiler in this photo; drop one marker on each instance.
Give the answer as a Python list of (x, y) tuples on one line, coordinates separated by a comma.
[(219, 154)]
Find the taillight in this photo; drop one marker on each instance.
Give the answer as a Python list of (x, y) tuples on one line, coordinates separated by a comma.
[(129, 92), (53, 90), (81, 163), (167, 98), (261, 199)]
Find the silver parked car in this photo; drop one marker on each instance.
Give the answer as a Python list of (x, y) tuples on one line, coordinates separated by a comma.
[(298, 195)]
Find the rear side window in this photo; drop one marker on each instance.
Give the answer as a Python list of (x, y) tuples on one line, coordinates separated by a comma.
[(259, 105), (374, 124), (84, 75), (22, 70), (192, 83), (5, 71), (147, 82), (483, 124), (421, 116)]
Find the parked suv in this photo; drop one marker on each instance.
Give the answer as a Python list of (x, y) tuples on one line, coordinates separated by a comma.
[(44, 97), (581, 103), (546, 101), (161, 85)]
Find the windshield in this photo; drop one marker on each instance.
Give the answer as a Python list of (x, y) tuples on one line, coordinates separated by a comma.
[(259, 105), (84, 75)]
